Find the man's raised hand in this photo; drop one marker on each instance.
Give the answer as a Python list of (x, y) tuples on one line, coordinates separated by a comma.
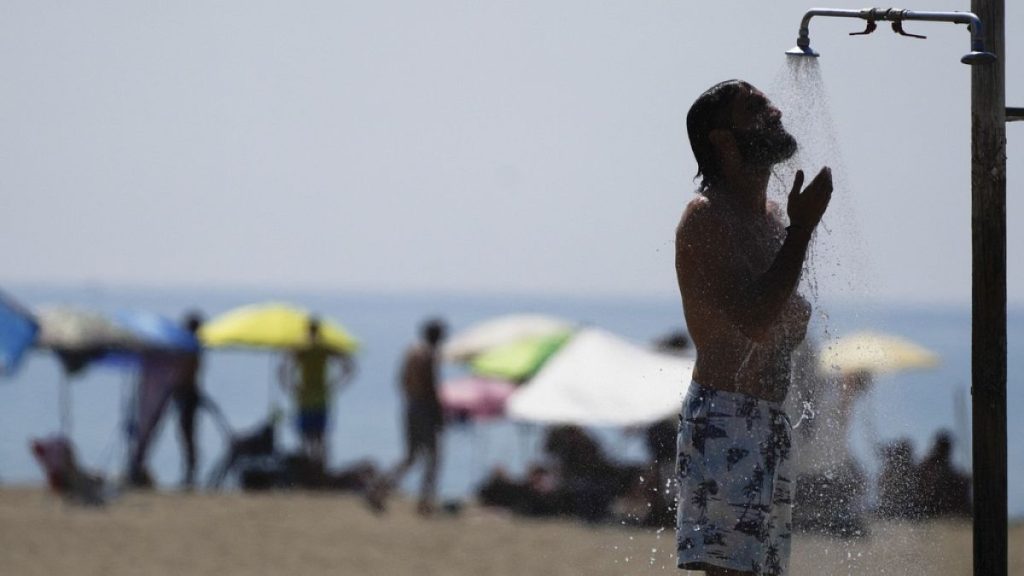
[(806, 208)]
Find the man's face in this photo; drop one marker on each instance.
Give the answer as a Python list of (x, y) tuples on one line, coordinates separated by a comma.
[(757, 128)]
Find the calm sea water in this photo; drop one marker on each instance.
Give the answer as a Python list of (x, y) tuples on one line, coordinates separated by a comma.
[(366, 421)]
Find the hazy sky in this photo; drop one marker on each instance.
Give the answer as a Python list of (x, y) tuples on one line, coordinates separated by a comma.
[(526, 146)]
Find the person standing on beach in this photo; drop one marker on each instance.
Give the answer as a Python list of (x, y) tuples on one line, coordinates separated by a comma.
[(738, 268), (187, 398), (306, 376), (165, 375), (424, 419)]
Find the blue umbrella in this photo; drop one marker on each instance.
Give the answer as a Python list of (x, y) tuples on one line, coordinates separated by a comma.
[(155, 332), (17, 333)]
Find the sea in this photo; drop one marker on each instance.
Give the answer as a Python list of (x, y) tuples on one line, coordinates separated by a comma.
[(365, 421)]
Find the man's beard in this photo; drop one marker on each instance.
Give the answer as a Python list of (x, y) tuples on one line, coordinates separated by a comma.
[(766, 145)]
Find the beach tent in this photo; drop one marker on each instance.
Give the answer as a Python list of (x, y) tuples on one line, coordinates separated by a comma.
[(501, 331), (17, 333), (599, 379)]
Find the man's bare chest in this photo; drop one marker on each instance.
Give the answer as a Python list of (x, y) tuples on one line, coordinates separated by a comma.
[(757, 244)]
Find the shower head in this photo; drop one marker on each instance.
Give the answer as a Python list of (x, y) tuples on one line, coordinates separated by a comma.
[(804, 51), (803, 45)]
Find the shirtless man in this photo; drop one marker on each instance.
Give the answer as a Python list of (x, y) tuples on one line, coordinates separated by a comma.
[(738, 268), (306, 374), (423, 419)]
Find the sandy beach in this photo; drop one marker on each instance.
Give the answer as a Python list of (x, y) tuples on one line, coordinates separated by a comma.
[(307, 533)]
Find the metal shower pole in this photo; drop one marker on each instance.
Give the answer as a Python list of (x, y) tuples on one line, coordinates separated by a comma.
[(988, 288)]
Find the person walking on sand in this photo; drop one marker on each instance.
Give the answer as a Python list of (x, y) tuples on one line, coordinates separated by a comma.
[(305, 374), (738, 268), (424, 419), (187, 398)]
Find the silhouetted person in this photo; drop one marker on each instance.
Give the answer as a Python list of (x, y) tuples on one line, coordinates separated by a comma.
[(658, 482), (898, 482), (424, 419), (187, 398), (587, 481), (160, 372), (307, 376), (738, 267), (943, 490)]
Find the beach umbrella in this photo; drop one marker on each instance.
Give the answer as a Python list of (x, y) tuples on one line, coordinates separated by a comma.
[(80, 336), (475, 398), (499, 331), (273, 325), (599, 379), (875, 353), (155, 333), (518, 360), (158, 332), (17, 333)]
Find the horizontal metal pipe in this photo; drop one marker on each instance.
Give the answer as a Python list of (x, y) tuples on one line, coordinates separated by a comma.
[(896, 14)]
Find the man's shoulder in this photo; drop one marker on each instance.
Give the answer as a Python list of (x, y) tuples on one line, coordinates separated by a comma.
[(417, 351), (701, 218)]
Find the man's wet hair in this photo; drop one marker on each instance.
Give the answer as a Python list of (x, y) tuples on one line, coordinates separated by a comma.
[(711, 111), (433, 330)]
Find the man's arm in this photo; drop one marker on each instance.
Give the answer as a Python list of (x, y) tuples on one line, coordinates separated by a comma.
[(704, 245)]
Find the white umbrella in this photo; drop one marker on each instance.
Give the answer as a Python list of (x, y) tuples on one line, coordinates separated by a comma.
[(73, 330), (499, 331), (78, 337), (599, 379)]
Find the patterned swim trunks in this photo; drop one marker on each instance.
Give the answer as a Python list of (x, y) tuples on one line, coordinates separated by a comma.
[(734, 469)]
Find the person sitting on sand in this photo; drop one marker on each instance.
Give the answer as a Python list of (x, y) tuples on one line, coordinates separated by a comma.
[(738, 267), (898, 481), (944, 491)]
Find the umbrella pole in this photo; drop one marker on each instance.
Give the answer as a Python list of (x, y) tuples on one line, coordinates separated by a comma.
[(64, 399), (479, 448), (270, 384)]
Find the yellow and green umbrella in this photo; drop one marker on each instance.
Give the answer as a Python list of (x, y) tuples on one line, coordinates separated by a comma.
[(518, 360), (273, 325)]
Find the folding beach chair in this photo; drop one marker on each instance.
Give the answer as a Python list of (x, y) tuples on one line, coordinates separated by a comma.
[(56, 456)]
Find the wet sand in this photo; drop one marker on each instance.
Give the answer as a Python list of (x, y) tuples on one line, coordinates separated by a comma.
[(303, 533)]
